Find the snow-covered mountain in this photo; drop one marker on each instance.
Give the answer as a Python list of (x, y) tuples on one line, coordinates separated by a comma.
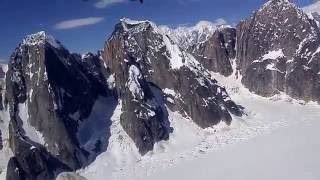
[(154, 63), (154, 95), (217, 53), (211, 43), (53, 97), (278, 51), (62, 105), (186, 37)]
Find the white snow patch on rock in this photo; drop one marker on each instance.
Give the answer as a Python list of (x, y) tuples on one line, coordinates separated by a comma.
[(131, 22), (273, 55), (169, 92), (272, 67), (40, 38), (133, 82), (111, 81), (30, 131), (175, 54)]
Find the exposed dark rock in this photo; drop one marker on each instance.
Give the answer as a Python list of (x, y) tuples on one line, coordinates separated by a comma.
[(51, 96), (144, 118), (14, 171), (31, 162), (60, 103), (278, 51), (139, 52), (3, 69), (218, 51)]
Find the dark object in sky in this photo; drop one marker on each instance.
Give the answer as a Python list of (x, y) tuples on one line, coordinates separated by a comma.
[(141, 1)]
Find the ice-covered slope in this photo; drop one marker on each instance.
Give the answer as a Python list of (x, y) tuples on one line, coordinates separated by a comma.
[(289, 153), (223, 146), (186, 37)]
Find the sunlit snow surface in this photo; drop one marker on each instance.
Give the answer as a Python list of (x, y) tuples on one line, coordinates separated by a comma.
[(278, 136)]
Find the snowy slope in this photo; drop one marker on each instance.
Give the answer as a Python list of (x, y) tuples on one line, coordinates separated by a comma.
[(289, 153), (185, 36), (219, 145)]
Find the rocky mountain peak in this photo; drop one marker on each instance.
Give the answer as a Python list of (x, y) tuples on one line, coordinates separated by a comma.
[(153, 73), (41, 38), (133, 26), (276, 4), (218, 51), (277, 46), (274, 9), (49, 88)]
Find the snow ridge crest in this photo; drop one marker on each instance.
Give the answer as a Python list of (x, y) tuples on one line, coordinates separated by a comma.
[(41, 38)]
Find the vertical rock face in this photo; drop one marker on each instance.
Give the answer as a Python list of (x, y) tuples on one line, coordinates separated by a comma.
[(148, 66), (278, 51), (52, 96), (216, 53), (3, 70), (144, 116), (60, 104)]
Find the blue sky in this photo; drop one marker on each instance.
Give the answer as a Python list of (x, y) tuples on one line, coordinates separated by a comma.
[(66, 19)]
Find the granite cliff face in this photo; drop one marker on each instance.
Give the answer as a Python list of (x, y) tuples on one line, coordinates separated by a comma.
[(52, 96), (151, 71), (218, 52), (278, 51), (56, 107), (59, 105)]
